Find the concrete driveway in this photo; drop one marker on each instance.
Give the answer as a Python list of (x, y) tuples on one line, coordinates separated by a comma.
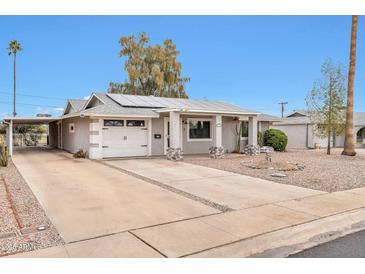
[(85, 199), (229, 189), (155, 208)]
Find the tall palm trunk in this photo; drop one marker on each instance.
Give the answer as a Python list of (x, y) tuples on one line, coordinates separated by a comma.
[(14, 100), (349, 147)]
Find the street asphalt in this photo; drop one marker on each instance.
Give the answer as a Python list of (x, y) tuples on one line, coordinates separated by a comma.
[(350, 246)]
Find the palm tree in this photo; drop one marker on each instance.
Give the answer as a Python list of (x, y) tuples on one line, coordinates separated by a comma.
[(349, 147), (14, 47)]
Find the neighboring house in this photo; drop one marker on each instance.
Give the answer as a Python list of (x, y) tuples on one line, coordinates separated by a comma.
[(299, 130), (116, 125)]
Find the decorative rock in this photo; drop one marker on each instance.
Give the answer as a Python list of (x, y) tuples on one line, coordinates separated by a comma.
[(278, 175), (216, 152), (266, 149), (251, 150), (175, 154)]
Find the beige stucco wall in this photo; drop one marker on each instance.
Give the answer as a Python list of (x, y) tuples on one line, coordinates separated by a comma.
[(80, 139), (196, 147), (263, 126), (157, 128), (297, 134)]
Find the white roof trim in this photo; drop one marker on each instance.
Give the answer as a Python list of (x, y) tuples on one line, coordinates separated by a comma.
[(123, 115), (91, 97), (205, 111), (65, 109)]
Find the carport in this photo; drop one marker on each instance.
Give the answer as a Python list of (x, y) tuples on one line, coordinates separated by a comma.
[(11, 121)]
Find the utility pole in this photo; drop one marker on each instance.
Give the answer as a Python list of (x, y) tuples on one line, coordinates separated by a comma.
[(283, 104)]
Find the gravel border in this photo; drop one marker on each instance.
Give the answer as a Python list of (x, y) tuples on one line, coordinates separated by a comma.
[(14, 239), (323, 172)]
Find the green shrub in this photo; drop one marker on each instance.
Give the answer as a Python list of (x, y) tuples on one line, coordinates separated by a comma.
[(4, 156), (276, 139), (80, 154)]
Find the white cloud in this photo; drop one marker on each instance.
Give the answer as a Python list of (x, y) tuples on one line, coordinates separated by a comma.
[(58, 109), (86, 97)]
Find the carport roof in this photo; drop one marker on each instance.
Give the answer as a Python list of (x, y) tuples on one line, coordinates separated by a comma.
[(31, 120)]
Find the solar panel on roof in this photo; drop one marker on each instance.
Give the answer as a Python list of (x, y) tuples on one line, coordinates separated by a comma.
[(163, 102)]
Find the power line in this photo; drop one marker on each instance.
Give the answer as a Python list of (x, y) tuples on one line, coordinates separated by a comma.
[(27, 104), (34, 96)]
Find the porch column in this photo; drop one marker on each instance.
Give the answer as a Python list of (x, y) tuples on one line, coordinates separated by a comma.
[(252, 130), (9, 135), (218, 130), (217, 150), (174, 152), (174, 129)]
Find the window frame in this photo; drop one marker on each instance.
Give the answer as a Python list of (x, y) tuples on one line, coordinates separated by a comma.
[(71, 128), (199, 139), (144, 123), (123, 124), (242, 137)]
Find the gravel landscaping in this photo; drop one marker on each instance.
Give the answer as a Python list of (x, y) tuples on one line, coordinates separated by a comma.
[(317, 169), (24, 225)]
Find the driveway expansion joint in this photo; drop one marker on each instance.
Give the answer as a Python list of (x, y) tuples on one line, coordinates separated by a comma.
[(146, 243), (222, 208)]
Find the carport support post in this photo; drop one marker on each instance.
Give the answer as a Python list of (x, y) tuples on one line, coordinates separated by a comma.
[(252, 131), (10, 137)]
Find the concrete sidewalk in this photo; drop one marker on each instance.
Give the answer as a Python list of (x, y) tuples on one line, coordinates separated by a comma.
[(266, 231)]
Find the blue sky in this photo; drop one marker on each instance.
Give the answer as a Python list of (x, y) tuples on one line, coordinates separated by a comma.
[(253, 61)]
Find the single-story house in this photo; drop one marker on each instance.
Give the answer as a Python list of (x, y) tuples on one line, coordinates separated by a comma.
[(117, 125), (299, 130)]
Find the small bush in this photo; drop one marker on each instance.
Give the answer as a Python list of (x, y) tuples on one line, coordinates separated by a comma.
[(276, 139), (80, 154), (4, 156)]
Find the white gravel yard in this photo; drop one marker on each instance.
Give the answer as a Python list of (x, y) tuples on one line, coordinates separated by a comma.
[(321, 172), (21, 217)]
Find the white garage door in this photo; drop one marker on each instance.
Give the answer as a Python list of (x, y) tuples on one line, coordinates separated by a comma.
[(124, 138)]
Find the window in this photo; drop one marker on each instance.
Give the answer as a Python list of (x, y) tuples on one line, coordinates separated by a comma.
[(135, 123), (199, 129), (113, 123), (71, 128), (244, 129)]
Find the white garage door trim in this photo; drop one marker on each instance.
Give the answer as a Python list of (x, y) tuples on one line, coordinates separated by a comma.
[(120, 140)]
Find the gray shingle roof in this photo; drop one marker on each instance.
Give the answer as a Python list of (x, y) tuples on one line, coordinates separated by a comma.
[(173, 103), (267, 117), (77, 104), (359, 120), (149, 106), (113, 108)]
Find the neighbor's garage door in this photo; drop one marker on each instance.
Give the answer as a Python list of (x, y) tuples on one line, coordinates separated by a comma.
[(124, 138)]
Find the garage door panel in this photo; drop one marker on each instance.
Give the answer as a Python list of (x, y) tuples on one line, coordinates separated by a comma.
[(124, 141)]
